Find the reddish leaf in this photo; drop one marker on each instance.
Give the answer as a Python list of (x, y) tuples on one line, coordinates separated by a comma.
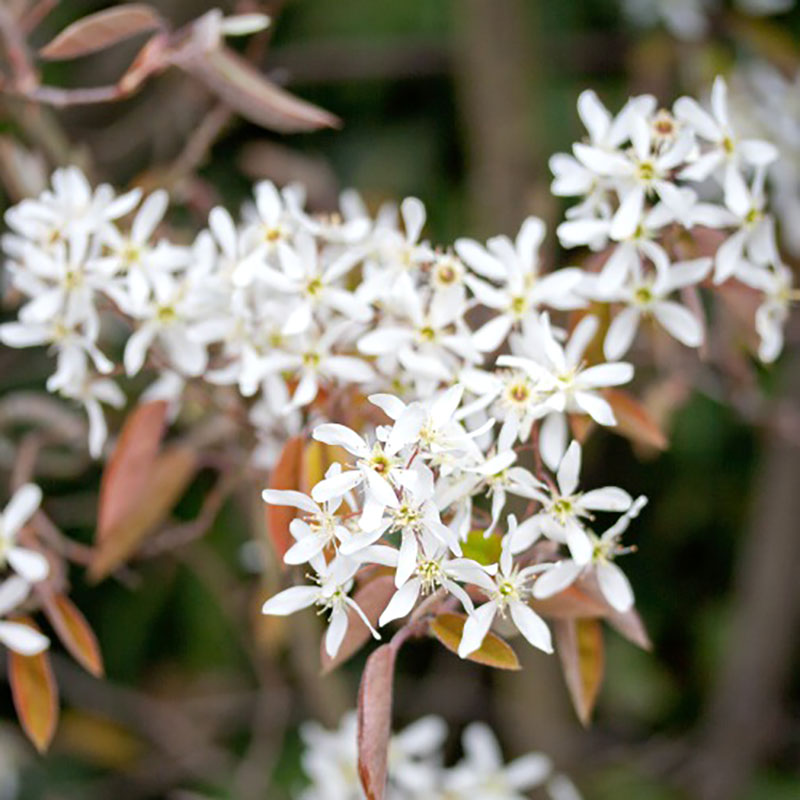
[(494, 652), (103, 29), (580, 425), (580, 647), (372, 598), (166, 482), (634, 421), (255, 97), (375, 721), (74, 632), (285, 475), (130, 465), (35, 694), (630, 626), (574, 602), (317, 457)]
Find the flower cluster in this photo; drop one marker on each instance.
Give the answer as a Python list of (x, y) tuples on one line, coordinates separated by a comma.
[(417, 770), (289, 308), (404, 500), (28, 567), (648, 172)]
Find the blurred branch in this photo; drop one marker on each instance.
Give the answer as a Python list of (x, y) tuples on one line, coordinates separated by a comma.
[(745, 709), (495, 79)]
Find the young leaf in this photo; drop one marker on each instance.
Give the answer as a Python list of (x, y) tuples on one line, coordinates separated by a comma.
[(629, 624), (634, 421), (314, 463), (74, 632), (285, 475), (480, 548), (130, 465), (103, 29), (375, 721), (580, 647), (372, 598), (237, 83), (571, 603), (166, 482), (494, 652), (35, 693)]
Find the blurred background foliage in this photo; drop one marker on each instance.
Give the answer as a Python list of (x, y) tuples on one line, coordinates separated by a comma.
[(459, 102)]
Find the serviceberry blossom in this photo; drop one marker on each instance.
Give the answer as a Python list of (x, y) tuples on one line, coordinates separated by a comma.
[(613, 582), (507, 592), (417, 769)]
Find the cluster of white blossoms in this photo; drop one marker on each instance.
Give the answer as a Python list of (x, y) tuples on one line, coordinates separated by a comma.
[(405, 501), (478, 356), (417, 770), (27, 566), (282, 303), (647, 171)]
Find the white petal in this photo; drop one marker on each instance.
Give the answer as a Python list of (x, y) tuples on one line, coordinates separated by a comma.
[(553, 439), (289, 497), (337, 628), (402, 602), (615, 586), (336, 485), (679, 322), (22, 639), (611, 374), (342, 436), (22, 506), (531, 626), (621, 333), (596, 407), (569, 470), (290, 600), (609, 498), (492, 334), (555, 580), (475, 628), (29, 564)]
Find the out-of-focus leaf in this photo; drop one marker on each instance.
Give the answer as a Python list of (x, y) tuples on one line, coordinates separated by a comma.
[(237, 83), (103, 29), (634, 421), (130, 465), (375, 721), (98, 741), (580, 425), (480, 548), (74, 632), (580, 647), (372, 598), (316, 459), (167, 480), (35, 693), (494, 652), (774, 41), (572, 603), (630, 625), (285, 475)]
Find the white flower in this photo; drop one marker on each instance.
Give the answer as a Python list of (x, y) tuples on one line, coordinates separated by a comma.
[(331, 594), (483, 774), (639, 172), (167, 319), (434, 570), (318, 528), (377, 468), (559, 373), (564, 509), (523, 290), (715, 128), (611, 579), (508, 590), (91, 393), (647, 296), (777, 284), (28, 564)]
